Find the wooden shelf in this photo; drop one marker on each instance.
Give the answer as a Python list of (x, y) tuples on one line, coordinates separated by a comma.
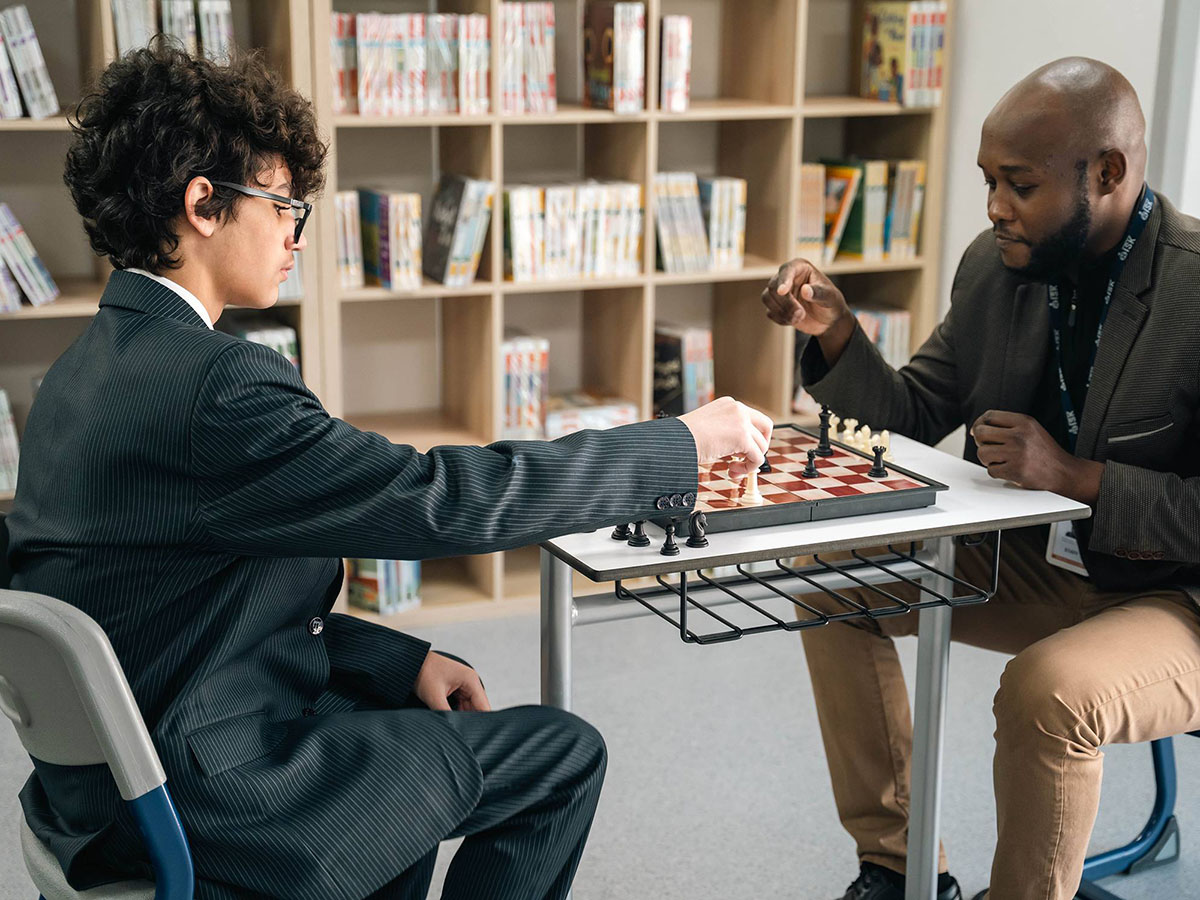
[(53, 123), (414, 121), (570, 284), (7, 496), (726, 109), (856, 266), (79, 299), (755, 268), (848, 107), (428, 289), (573, 114), (422, 429)]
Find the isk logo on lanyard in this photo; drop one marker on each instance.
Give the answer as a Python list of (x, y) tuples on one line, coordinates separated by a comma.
[(1137, 224)]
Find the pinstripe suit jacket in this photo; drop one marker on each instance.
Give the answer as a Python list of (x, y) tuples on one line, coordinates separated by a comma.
[(1141, 417), (186, 490)]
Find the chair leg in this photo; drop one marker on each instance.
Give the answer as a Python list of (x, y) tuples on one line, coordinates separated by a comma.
[(1158, 842)]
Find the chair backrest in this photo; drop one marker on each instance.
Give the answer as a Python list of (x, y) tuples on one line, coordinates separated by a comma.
[(63, 689)]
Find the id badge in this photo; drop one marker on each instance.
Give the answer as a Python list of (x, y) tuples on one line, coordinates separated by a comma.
[(1062, 549)]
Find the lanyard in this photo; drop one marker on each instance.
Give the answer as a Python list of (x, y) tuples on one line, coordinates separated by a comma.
[(1137, 224)]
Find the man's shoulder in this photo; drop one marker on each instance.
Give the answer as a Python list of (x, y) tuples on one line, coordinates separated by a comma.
[(980, 270), (1180, 232)]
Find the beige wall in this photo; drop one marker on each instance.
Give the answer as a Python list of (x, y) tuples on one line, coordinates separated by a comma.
[(996, 44)]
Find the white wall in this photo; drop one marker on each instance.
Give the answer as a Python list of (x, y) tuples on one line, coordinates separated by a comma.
[(998, 43)]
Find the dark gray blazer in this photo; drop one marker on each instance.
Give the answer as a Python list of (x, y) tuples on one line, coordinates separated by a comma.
[(188, 492), (1142, 416)]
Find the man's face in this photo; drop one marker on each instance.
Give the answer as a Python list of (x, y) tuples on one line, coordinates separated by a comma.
[(1037, 201)]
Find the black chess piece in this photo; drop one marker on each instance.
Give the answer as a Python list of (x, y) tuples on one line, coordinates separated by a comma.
[(878, 470), (669, 547), (639, 538), (765, 468), (621, 532), (810, 471), (824, 448), (697, 529)]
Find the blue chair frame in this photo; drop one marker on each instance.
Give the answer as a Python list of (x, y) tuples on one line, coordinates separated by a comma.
[(1158, 843)]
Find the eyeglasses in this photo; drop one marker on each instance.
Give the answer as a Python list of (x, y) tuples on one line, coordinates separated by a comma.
[(299, 209)]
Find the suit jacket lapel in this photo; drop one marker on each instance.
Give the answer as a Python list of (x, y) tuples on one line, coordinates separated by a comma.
[(1124, 323), (1025, 352), (132, 291)]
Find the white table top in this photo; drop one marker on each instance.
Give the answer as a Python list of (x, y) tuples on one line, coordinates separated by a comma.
[(975, 502)]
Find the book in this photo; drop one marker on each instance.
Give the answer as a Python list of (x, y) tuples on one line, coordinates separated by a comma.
[(280, 338), (179, 22), (349, 240), (135, 22), (526, 385), (384, 586), (391, 238), (454, 233), (841, 190), (10, 94), (683, 368), (810, 225), (903, 47), (676, 63), (10, 291), (25, 54), (293, 286), (10, 449), (216, 29), (614, 55), (343, 60), (890, 330), (723, 206), (570, 413), (862, 234), (18, 253)]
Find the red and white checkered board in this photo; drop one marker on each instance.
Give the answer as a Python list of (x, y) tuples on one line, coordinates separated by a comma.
[(842, 475)]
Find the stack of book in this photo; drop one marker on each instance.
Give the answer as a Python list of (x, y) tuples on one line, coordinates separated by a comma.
[(410, 64), (391, 238), (526, 386), (888, 329), (676, 63), (860, 209), (457, 226), (137, 21), (701, 223), (587, 230), (580, 411), (527, 71), (385, 586), (21, 269), (20, 53), (349, 239), (614, 56), (10, 450), (903, 56), (683, 369)]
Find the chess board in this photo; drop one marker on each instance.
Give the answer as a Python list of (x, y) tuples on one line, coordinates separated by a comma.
[(842, 487)]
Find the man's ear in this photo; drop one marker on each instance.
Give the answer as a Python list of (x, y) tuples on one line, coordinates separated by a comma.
[(1114, 166), (199, 192)]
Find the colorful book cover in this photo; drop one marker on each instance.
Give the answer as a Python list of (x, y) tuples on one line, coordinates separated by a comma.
[(841, 190)]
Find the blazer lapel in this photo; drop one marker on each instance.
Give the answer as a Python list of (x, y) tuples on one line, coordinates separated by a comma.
[(1125, 318), (1026, 349), (132, 291)]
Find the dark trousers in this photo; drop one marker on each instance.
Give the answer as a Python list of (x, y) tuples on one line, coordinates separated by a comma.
[(542, 773)]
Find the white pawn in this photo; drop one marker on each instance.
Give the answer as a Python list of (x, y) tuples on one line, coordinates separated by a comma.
[(849, 427), (864, 439), (834, 421), (750, 493), (885, 441)]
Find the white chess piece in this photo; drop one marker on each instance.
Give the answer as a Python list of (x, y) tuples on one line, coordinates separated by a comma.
[(750, 494), (885, 440), (864, 439), (849, 427), (834, 422)]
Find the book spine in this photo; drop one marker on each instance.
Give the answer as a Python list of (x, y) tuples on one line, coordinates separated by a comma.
[(10, 97)]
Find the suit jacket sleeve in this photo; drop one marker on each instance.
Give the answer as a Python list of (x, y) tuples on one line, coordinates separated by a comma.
[(1147, 512), (919, 400), (373, 659), (276, 475)]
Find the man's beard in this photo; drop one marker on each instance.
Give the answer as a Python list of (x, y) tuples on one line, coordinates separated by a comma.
[(1049, 259)]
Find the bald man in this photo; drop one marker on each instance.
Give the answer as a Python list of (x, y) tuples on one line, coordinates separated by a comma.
[(1083, 263)]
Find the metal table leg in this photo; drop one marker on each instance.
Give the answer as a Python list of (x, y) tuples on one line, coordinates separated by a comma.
[(933, 658), (558, 613)]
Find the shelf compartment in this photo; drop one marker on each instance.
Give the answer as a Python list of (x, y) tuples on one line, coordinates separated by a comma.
[(53, 123), (727, 109), (79, 299), (352, 120), (454, 589), (756, 268), (573, 114), (839, 106), (428, 289)]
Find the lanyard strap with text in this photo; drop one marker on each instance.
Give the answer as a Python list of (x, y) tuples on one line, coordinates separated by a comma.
[(1136, 226)]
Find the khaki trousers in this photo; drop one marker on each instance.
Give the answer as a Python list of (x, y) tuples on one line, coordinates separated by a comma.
[(1090, 668)]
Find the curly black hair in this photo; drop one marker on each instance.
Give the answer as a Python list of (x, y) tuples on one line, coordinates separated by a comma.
[(158, 118)]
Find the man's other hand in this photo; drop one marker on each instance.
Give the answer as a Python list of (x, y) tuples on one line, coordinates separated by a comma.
[(1017, 448), (445, 684)]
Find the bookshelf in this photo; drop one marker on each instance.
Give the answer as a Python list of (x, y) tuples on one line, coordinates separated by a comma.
[(774, 83), (78, 40)]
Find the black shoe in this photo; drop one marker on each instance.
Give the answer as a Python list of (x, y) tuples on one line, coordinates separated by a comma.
[(878, 883)]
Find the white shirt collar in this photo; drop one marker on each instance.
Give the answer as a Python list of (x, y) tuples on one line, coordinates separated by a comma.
[(192, 300)]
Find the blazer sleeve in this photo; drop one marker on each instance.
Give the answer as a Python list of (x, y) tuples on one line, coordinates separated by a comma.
[(276, 475), (373, 659), (1155, 515)]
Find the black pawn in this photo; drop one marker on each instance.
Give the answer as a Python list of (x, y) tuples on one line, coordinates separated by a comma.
[(639, 537), (810, 471), (621, 532), (765, 468), (669, 547), (824, 448), (877, 470), (697, 528)]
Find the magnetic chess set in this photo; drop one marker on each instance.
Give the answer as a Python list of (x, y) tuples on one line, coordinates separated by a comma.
[(806, 477)]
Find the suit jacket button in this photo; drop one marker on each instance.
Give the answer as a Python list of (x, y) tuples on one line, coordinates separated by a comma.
[(1158, 554), (316, 625), (676, 501), (662, 502), (1121, 552), (689, 499), (308, 711)]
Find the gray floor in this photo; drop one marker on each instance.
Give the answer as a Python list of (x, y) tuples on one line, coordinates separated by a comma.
[(716, 786)]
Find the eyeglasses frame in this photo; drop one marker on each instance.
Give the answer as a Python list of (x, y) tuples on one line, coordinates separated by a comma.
[(278, 198)]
